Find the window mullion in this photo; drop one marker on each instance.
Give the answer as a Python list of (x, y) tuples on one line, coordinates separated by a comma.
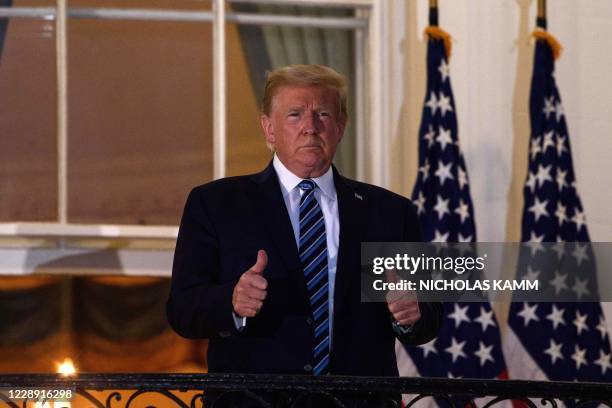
[(62, 110), (219, 90)]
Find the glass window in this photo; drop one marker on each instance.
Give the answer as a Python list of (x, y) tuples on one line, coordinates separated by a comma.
[(28, 124), (140, 115)]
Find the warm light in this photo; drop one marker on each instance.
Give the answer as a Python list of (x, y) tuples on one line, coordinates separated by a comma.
[(66, 368)]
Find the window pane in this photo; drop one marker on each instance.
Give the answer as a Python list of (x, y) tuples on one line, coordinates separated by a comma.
[(140, 115), (268, 47), (28, 106)]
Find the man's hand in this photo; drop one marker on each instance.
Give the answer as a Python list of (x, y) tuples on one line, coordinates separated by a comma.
[(250, 291), (402, 304), (405, 312)]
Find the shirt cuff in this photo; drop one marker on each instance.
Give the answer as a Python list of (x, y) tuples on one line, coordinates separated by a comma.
[(400, 329), (239, 322)]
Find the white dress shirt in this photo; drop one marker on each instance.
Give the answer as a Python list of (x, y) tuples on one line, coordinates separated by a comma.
[(325, 194)]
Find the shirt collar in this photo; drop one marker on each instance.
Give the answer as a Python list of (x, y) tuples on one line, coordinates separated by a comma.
[(289, 181)]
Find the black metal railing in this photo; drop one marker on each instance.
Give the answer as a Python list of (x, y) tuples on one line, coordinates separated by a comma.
[(189, 391)]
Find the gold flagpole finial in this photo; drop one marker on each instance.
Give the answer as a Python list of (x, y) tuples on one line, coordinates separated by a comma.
[(433, 13), (541, 20), (541, 8)]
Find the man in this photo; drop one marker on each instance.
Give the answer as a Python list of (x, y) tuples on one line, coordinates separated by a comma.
[(267, 266)]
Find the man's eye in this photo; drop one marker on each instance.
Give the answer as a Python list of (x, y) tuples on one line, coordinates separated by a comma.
[(294, 114), (324, 114)]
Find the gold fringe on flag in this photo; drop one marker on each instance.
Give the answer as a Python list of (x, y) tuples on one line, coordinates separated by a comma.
[(554, 44), (439, 34)]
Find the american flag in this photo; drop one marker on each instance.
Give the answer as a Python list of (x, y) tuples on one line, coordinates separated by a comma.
[(572, 342), (468, 344)]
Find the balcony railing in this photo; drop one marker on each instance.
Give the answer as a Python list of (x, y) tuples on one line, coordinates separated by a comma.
[(187, 390)]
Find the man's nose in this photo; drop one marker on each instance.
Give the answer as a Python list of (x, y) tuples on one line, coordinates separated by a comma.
[(312, 122)]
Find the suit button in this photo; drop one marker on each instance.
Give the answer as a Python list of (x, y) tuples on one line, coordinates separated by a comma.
[(308, 368), (309, 321)]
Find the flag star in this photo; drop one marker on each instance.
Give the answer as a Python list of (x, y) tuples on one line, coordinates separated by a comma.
[(439, 237), (462, 178), (549, 106), (459, 315), (450, 375), (579, 357), (531, 275), (444, 172), (560, 145), (554, 351), (441, 207), (535, 243), (531, 182), (429, 347), (485, 319), (539, 209), (424, 170), (543, 175), (462, 210), (579, 219), (456, 349), (559, 248), (561, 213), (444, 137), (580, 253), (432, 103), (559, 282), (602, 327), (444, 70), (580, 322), (444, 103), (484, 353), (580, 287), (556, 317), (420, 203), (467, 238), (529, 313), (429, 136), (561, 179), (603, 361), (559, 111), (548, 141), (535, 147)]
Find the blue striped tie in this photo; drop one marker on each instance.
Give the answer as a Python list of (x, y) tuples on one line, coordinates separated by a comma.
[(313, 256)]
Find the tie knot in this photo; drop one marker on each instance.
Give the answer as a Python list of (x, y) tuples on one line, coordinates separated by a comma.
[(307, 185)]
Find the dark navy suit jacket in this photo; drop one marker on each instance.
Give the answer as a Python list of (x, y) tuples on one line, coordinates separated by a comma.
[(227, 221)]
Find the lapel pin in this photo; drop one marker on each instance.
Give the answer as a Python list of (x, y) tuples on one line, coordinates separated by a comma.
[(358, 196)]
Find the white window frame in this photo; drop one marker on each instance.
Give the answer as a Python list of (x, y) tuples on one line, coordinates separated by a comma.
[(374, 113)]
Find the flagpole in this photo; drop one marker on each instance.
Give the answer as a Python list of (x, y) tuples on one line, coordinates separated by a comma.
[(433, 13), (541, 20)]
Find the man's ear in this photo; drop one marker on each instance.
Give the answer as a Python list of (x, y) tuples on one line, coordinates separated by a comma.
[(268, 129), (341, 128)]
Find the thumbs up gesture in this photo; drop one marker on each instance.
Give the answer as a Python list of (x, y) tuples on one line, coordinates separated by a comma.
[(250, 291), (403, 305)]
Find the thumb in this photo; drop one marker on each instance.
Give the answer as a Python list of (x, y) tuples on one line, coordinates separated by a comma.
[(391, 276), (261, 263)]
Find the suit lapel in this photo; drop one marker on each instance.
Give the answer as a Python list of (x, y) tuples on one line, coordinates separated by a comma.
[(351, 210), (275, 218)]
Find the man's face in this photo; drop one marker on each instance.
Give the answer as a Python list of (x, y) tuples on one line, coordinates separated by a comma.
[(304, 129)]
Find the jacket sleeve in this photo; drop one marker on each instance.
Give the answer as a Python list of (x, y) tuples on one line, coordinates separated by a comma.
[(427, 327), (199, 305)]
